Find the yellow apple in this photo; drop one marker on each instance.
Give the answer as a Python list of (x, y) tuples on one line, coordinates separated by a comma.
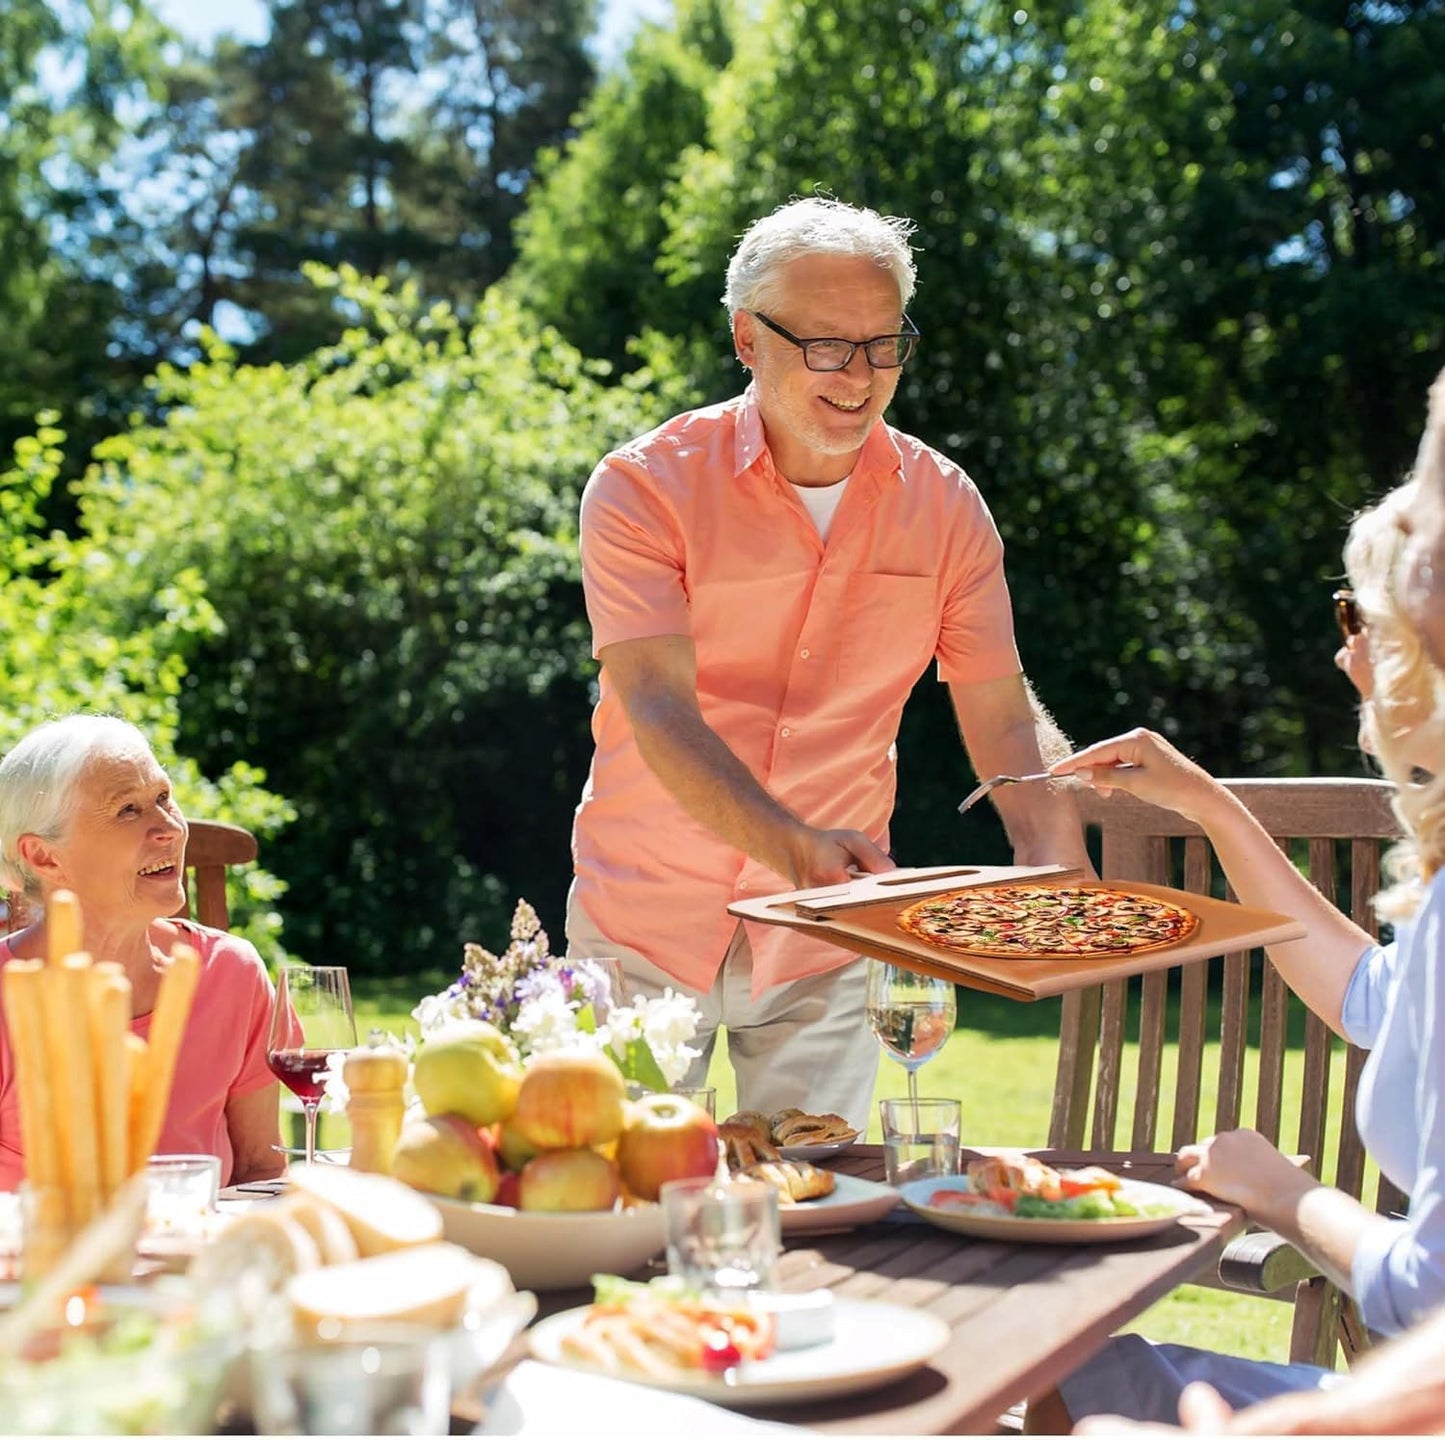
[(469, 1069), (447, 1155)]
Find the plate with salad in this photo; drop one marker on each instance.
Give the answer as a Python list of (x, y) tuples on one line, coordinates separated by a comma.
[(744, 1352), (1018, 1197)]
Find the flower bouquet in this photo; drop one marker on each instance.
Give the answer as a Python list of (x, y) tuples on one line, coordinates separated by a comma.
[(545, 1002)]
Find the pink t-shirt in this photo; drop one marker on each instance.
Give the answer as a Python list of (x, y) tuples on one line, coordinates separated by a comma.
[(223, 1053), (806, 652)]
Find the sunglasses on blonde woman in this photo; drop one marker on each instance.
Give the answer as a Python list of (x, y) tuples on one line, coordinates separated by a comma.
[(1347, 614)]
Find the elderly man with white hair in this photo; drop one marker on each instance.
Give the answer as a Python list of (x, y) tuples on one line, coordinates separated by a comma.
[(766, 579)]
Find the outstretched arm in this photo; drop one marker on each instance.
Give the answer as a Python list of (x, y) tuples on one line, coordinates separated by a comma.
[(656, 680), (1317, 968)]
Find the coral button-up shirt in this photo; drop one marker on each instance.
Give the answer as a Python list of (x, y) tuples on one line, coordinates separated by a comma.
[(806, 652)]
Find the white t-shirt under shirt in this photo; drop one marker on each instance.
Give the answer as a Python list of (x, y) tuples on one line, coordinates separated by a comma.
[(822, 501)]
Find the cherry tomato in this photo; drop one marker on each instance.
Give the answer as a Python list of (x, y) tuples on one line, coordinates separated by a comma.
[(719, 1353)]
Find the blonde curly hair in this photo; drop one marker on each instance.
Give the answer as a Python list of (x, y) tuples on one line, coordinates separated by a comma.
[(1407, 707)]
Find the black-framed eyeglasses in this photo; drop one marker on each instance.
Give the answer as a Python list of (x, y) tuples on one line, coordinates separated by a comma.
[(828, 352), (1348, 615)]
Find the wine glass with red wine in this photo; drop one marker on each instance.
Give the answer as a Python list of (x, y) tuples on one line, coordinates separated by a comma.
[(310, 1020)]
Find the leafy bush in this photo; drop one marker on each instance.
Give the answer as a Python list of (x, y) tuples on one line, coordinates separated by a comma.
[(385, 538)]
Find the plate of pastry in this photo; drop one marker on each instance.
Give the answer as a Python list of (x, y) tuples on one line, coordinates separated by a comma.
[(791, 1134), (810, 1198)]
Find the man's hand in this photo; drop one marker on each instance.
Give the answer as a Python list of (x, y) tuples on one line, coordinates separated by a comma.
[(831, 857)]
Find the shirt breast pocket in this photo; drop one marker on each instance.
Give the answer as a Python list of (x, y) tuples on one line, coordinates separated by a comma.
[(890, 633)]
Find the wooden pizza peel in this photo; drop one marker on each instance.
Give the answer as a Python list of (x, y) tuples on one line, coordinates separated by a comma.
[(862, 916)]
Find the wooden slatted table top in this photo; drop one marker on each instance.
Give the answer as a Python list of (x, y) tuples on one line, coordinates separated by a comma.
[(1022, 1316)]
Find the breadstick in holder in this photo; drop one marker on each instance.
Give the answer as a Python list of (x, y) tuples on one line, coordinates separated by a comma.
[(64, 927), (109, 1014), (168, 1025), (80, 1058)]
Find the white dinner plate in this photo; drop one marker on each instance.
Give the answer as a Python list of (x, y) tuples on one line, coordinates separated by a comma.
[(816, 1152), (853, 1202), (1013, 1228), (874, 1344)]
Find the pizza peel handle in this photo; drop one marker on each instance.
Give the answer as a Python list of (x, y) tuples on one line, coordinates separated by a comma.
[(905, 884)]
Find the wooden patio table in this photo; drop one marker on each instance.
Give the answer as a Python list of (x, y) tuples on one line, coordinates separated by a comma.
[(1022, 1316)]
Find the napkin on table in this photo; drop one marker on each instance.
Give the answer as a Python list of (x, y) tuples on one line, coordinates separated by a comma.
[(537, 1400)]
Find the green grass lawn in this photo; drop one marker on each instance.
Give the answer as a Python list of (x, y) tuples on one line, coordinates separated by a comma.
[(1000, 1064)]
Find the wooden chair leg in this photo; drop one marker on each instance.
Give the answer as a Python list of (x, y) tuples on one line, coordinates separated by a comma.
[(1355, 1337), (1313, 1336)]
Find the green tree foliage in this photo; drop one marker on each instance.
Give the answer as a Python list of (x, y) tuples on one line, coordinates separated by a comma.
[(70, 78), (63, 653), (386, 533), (591, 243)]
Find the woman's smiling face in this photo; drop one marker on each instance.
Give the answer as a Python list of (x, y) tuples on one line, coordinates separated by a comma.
[(124, 847)]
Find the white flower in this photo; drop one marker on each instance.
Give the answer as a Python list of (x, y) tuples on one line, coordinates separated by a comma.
[(669, 1022), (434, 1011), (547, 1022)]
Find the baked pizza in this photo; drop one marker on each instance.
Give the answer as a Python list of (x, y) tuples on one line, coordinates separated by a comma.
[(1047, 922)]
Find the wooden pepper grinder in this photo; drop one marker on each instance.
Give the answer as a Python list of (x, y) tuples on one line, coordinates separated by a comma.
[(375, 1075)]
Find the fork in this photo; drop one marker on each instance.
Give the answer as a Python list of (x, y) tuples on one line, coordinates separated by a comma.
[(974, 796)]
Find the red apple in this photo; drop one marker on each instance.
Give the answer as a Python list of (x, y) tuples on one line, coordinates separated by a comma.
[(569, 1101), (568, 1180), (667, 1138), (447, 1155), (509, 1191)]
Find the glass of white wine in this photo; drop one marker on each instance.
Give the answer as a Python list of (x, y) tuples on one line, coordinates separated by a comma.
[(911, 1014)]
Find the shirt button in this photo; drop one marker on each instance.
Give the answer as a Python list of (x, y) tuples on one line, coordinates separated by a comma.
[(743, 885), (786, 732), (805, 653)]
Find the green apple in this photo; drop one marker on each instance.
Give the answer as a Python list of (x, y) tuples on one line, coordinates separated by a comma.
[(469, 1069)]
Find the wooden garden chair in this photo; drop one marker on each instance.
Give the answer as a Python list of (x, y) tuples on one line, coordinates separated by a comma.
[(211, 849), (1336, 829)]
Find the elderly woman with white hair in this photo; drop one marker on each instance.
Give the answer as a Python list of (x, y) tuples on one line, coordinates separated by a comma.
[(85, 807)]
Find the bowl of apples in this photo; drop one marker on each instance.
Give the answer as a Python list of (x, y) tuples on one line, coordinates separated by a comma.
[(557, 1177)]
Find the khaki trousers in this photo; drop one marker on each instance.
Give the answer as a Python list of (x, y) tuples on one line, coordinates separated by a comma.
[(806, 1043)]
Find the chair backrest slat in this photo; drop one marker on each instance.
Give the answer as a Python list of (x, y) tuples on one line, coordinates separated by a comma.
[(1111, 1060), (1153, 1011), (1273, 1017), (1233, 1035), (1315, 1092)]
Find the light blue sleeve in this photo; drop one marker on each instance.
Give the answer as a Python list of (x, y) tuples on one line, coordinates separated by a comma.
[(1363, 1009), (1398, 1270)]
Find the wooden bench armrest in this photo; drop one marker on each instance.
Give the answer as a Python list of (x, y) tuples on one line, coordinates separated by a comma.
[(1262, 1263)]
